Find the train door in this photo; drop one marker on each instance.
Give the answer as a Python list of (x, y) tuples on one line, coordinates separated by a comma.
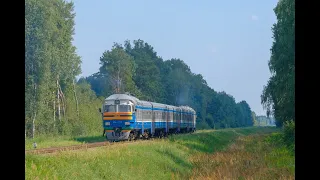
[(152, 121), (143, 114), (138, 118), (194, 122), (167, 119), (171, 118), (178, 119), (188, 121)]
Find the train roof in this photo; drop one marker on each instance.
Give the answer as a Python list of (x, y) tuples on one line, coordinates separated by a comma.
[(122, 96), (187, 108), (146, 103)]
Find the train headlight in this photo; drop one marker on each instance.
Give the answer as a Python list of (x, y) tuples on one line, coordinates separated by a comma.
[(127, 123), (107, 123)]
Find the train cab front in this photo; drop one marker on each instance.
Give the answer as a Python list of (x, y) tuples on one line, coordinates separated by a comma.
[(117, 120)]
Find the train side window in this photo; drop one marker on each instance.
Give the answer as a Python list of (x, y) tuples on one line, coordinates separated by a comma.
[(143, 115)]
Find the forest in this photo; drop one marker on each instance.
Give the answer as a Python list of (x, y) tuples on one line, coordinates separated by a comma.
[(149, 77)]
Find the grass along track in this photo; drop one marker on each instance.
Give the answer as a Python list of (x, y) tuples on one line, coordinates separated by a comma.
[(67, 144), (178, 157), (66, 148), (78, 147), (51, 142), (60, 141)]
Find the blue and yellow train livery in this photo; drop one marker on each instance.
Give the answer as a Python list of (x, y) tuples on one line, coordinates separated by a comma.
[(125, 117)]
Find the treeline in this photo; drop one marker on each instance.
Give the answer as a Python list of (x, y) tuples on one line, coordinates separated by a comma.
[(136, 68), (56, 104)]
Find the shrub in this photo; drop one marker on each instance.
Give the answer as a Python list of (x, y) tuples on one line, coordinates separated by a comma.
[(289, 133)]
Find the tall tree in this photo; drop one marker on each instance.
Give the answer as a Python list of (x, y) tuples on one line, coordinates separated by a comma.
[(147, 74), (278, 96), (119, 68)]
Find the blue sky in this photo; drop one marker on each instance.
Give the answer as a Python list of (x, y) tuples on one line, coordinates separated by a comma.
[(228, 42)]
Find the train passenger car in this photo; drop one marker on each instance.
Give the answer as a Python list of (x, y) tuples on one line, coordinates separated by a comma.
[(125, 117)]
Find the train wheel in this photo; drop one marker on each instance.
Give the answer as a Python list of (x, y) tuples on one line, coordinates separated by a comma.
[(161, 135), (130, 138), (146, 135), (166, 134)]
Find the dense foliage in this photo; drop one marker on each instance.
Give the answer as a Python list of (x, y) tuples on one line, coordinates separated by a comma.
[(136, 68), (55, 103), (278, 96)]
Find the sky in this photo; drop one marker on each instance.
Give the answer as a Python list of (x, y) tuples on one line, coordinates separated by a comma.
[(228, 42)]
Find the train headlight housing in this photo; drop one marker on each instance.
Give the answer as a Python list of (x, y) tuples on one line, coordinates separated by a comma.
[(107, 123), (127, 123)]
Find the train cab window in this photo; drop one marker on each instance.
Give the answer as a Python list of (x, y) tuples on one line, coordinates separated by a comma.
[(124, 108), (109, 108)]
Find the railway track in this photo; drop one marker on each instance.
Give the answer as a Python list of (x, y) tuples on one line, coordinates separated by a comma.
[(78, 147), (66, 148), (86, 146)]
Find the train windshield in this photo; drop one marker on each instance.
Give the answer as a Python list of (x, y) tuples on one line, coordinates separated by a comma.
[(110, 108), (124, 108)]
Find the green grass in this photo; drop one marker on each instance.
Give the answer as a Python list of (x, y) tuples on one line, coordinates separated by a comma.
[(258, 156), (45, 142), (280, 156), (160, 159)]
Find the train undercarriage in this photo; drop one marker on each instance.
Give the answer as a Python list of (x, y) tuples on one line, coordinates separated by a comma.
[(135, 134)]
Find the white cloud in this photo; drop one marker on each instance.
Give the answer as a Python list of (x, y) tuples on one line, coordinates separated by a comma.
[(254, 18)]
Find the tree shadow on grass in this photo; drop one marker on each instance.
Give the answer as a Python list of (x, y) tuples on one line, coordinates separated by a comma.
[(205, 142), (183, 164), (209, 142)]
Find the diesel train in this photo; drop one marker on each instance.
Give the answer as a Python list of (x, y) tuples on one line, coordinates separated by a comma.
[(125, 117)]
